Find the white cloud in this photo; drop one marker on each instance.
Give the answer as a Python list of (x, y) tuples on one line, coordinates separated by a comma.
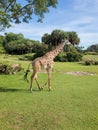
[(79, 5), (88, 39)]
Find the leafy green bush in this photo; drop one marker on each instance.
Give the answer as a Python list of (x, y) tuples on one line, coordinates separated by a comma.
[(91, 53), (90, 62), (61, 57), (95, 62), (69, 56), (73, 56), (38, 54), (4, 68), (9, 69)]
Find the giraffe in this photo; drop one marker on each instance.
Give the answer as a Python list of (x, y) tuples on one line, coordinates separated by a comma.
[(45, 62)]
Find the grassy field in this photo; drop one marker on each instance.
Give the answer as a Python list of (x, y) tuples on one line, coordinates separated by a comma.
[(71, 105)]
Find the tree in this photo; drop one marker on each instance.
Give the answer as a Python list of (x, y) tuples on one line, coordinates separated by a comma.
[(46, 38), (93, 48), (2, 39), (57, 36), (54, 38), (12, 37), (73, 38), (13, 11)]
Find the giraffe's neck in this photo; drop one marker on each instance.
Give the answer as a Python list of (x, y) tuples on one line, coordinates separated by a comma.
[(55, 52)]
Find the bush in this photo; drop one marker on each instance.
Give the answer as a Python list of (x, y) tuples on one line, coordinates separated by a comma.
[(9, 69), (61, 57), (4, 68), (91, 53), (73, 56), (69, 56), (90, 62), (38, 54), (95, 62)]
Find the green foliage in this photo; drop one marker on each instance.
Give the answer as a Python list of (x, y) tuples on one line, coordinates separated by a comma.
[(91, 62), (57, 36), (17, 44), (40, 51), (9, 69), (69, 56), (13, 11), (88, 62), (61, 57), (93, 48), (4, 69), (73, 38), (91, 53), (2, 40), (73, 56)]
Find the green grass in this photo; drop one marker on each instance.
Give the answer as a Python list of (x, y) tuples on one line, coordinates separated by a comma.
[(71, 105)]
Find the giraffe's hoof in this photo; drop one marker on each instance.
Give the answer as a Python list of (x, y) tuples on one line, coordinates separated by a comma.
[(30, 91), (49, 89), (41, 88)]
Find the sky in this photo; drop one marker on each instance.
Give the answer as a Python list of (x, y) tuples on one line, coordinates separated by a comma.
[(80, 16)]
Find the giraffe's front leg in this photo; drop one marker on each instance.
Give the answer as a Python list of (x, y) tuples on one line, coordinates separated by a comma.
[(44, 85)]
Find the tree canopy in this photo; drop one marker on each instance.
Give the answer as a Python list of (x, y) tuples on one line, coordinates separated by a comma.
[(18, 44), (57, 35), (93, 48), (13, 11)]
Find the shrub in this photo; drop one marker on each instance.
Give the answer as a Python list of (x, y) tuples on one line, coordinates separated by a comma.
[(73, 56), (61, 57), (4, 68), (90, 62), (95, 62), (69, 56), (91, 53), (9, 69)]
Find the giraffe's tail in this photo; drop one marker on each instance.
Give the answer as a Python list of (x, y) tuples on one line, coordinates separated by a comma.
[(26, 73)]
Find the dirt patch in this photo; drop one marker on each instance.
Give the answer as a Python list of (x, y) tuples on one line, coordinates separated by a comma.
[(78, 73)]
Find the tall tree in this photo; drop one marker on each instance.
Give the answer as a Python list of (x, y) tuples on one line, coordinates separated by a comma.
[(13, 11), (73, 38), (58, 35), (93, 48), (46, 38)]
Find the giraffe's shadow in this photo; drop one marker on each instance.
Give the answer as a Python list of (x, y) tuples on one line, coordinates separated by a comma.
[(2, 89)]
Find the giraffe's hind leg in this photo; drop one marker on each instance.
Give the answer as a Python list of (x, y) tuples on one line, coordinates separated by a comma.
[(44, 85), (34, 77)]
